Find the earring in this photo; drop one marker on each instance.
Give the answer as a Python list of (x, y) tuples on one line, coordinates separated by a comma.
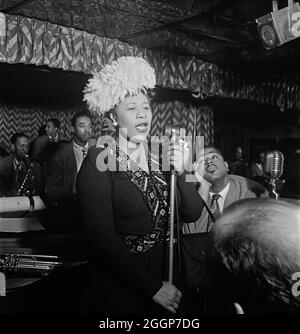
[(113, 120)]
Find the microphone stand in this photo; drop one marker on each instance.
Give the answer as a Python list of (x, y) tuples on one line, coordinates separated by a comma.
[(172, 132), (172, 224), (273, 188)]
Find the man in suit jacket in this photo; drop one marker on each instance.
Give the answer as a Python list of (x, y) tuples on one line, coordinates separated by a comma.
[(47, 144), (14, 168), (217, 181), (62, 172), (237, 165)]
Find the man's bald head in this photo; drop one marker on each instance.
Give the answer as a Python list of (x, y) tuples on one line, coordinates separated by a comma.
[(255, 248), (265, 220)]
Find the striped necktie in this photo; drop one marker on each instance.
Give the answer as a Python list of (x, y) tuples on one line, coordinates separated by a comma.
[(84, 153), (215, 210)]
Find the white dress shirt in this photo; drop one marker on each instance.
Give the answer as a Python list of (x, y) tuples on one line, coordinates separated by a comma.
[(79, 154), (221, 199)]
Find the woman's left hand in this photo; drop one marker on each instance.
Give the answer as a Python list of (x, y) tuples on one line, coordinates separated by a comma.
[(178, 155)]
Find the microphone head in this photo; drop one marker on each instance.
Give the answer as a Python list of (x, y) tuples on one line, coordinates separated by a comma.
[(174, 132), (274, 164)]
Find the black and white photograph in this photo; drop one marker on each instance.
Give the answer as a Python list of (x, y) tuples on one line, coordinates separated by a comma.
[(149, 160)]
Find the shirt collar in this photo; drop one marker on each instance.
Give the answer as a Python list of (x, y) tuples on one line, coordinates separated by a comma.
[(17, 163), (78, 147), (54, 139), (222, 193)]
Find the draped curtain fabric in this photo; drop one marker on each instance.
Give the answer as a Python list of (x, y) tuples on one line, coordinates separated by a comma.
[(196, 121), (29, 120), (283, 92), (32, 41)]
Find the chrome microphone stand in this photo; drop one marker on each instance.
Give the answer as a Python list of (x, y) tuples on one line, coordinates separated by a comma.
[(172, 132), (272, 183), (172, 223)]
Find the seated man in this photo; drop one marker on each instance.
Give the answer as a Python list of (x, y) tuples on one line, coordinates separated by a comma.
[(237, 165), (219, 189), (62, 172), (19, 175), (254, 258), (256, 170)]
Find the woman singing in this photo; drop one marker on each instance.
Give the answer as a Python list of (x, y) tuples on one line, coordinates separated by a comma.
[(126, 206)]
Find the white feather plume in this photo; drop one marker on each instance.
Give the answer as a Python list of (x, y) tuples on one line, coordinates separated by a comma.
[(123, 77)]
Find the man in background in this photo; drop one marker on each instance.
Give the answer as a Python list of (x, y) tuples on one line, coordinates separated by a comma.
[(256, 170), (62, 171), (47, 144), (19, 175), (219, 189), (237, 165)]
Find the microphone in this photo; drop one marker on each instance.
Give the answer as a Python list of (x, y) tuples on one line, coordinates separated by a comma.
[(274, 168), (175, 132), (274, 164)]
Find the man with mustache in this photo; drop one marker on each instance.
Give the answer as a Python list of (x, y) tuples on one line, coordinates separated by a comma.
[(217, 184)]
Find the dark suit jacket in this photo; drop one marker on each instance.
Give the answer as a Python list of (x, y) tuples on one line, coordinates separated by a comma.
[(39, 144), (8, 177), (61, 198), (61, 174), (255, 171), (43, 149)]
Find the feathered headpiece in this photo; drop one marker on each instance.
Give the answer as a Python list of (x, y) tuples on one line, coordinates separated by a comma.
[(123, 77)]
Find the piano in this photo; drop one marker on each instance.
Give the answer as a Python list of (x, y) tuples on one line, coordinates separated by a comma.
[(41, 271)]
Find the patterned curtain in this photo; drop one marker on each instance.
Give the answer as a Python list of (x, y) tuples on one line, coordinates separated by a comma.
[(29, 120), (197, 121), (32, 41)]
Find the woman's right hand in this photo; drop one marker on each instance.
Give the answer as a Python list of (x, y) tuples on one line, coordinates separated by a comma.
[(203, 182), (204, 186), (168, 296)]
